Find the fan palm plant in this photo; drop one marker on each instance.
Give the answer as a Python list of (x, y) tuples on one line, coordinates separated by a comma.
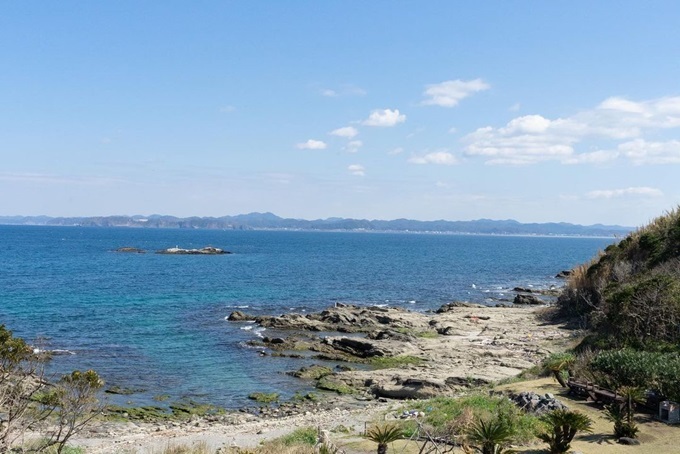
[(563, 426), (384, 435), (490, 437)]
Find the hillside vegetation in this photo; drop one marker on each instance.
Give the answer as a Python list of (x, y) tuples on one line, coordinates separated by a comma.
[(629, 296)]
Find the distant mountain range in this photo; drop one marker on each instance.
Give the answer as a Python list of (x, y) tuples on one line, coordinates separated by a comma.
[(269, 221)]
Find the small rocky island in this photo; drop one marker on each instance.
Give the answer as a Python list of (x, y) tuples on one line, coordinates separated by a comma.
[(130, 250), (208, 250)]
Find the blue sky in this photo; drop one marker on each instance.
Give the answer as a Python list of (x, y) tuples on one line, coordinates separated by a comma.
[(536, 111)]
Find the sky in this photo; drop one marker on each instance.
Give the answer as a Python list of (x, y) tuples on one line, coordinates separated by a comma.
[(528, 110)]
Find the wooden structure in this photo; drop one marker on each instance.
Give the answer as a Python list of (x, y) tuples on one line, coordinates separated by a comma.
[(593, 392)]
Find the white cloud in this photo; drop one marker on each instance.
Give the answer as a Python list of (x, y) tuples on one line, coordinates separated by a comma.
[(453, 130), (329, 93), (639, 151), (312, 144), (395, 151), (357, 169), (515, 107), (227, 109), (533, 138), (353, 146), (435, 157), (384, 118), (593, 157), (451, 92), (347, 131), (642, 191)]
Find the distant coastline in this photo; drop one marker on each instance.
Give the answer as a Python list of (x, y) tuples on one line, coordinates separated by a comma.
[(269, 221)]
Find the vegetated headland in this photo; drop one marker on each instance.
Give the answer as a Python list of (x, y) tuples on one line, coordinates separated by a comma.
[(269, 221)]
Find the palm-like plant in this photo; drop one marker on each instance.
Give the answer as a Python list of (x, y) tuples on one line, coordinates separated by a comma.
[(621, 414), (563, 426), (384, 435), (491, 437), (559, 364)]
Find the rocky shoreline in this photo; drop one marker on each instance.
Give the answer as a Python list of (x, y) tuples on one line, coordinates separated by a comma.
[(368, 357), (406, 354)]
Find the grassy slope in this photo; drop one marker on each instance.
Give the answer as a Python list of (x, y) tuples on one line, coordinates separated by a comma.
[(630, 295)]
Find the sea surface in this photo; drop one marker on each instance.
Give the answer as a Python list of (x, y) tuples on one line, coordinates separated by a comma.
[(156, 324)]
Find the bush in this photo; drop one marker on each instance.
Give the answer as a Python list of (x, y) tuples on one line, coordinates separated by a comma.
[(649, 370)]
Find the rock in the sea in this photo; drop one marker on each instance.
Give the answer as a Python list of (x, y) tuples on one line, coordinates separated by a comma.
[(313, 372), (238, 316), (132, 250), (527, 299), (564, 274), (208, 250)]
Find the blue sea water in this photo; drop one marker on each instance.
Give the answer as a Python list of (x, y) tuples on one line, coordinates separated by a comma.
[(156, 323)]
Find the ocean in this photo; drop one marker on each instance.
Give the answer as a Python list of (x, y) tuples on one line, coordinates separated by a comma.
[(156, 324)]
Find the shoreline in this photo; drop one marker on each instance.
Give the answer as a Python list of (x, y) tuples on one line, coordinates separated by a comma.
[(474, 346)]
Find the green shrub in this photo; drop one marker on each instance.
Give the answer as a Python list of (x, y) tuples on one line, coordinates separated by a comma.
[(301, 436)]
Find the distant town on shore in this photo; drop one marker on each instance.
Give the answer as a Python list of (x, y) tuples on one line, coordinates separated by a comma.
[(270, 221)]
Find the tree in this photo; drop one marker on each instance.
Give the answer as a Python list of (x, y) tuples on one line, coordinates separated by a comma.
[(27, 400), (74, 403), (384, 435), (563, 426), (21, 379)]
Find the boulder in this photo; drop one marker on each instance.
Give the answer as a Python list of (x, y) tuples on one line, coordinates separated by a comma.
[(238, 316), (451, 306), (527, 299), (564, 274), (314, 372), (411, 389), (357, 347)]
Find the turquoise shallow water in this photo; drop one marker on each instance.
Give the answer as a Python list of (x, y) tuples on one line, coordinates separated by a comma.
[(157, 322)]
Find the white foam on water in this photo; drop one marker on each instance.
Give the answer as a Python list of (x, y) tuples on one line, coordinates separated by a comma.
[(412, 302), (246, 328)]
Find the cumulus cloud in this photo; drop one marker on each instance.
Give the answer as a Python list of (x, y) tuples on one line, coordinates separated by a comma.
[(357, 169), (312, 144), (385, 118), (353, 146), (347, 132), (641, 191), (435, 157), (451, 92), (533, 138)]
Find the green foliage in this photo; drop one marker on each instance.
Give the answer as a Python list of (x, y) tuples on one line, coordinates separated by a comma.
[(491, 436), (302, 436), (563, 425), (650, 370), (559, 364), (453, 416)]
